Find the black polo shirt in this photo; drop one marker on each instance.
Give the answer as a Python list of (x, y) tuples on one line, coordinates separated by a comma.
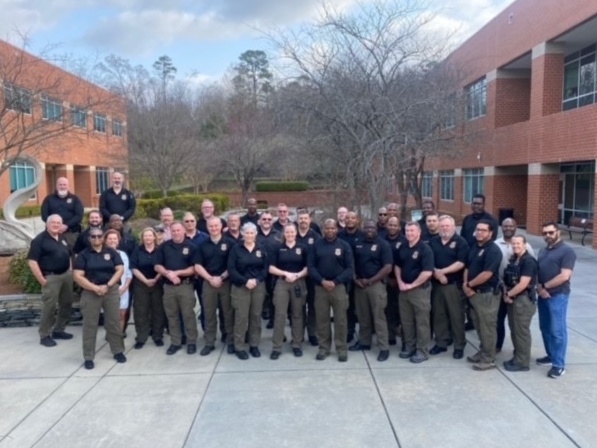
[(175, 256), (290, 259), (144, 261), (484, 258), (202, 224), (551, 261), (413, 260), (331, 260), (248, 218), (128, 243), (427, 236), (244, 265), (526, 266), (70, 208), (315, 227), (395, 243), (278, 227), (123, 204), (230, 236), (99, 267), (469, 225), (308, 239), (52, 255), (444, 255), (214, 256), (351, 237), (371, 256), (269, 242)]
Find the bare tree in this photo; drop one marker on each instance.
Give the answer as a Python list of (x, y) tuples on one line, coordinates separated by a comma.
[(39, 104), (370, 95)]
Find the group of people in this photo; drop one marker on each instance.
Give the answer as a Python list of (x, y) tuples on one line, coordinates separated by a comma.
[(409, 280)]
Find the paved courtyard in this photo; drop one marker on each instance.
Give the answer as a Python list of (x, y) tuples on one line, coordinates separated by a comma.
[(47, 399)]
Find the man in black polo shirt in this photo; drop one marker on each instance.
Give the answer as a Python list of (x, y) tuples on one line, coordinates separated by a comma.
[(382, 221), (94, 218), (431, 227), (49, 261), (331, 266), (413, 269), (427, 208), (307, 237), (68, 206), (128, 243), (283, 218), (395, 239), (481, 286), (117, 200), (207, 211), (175, 262), (211, 261), (556, 263), (450, 253), (252, 215), (373, 262), (351, 234), (234, 225), (469, 224)]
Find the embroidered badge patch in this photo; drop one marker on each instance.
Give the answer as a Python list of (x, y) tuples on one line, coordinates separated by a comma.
[(185, 251), (338, 252)]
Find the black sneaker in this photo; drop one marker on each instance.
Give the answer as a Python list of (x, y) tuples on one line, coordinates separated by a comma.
[(119, 357), (47, 342), (89, 365), (342, 358), (321, 356), (254, 351), (545, 361), (207, 350), (172, 349), (556, 372), (383, 355), (513, 367), (241, 354), (191, 349), (458, 354), (436, 350), (138, 345), (61, 335), (405, 354), (297, 352), (275, 355), (158, 343)]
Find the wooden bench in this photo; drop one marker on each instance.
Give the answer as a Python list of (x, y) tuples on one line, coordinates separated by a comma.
[(583, 226)]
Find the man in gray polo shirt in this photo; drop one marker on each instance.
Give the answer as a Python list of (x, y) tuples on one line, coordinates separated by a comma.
[(556, 262)]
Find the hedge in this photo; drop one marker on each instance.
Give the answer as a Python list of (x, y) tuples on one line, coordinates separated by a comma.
[(281, 186), (20, 274), (157, 194), (25, 212), (150, 208)]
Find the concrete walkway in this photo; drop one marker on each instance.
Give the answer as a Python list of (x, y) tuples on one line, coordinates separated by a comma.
[(48, 400)]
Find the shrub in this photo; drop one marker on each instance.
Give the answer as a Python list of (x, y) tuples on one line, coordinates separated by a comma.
[(157, 194), (25, 212), (150, 208), (281, 186), (21, 275)]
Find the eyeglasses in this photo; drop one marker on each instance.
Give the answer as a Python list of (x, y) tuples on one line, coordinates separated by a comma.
[(189, 220), (95, 237), (266, 219), (549, 232)]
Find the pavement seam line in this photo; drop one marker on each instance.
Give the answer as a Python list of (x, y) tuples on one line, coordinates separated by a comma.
[(383, 403), (213, 373)]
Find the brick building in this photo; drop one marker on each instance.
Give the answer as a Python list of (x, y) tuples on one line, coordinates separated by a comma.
[(74, 128), (531, 95)]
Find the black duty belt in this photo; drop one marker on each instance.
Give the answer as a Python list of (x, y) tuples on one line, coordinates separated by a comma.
[(183, 281), (483, 289), (46, 273)]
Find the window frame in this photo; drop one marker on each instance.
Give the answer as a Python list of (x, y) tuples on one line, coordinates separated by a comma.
[(117, 125), (102, 179), (572, 95), (100, 118), (476, 99), (77, 111), (13, 95), (476, 176), (49, 107), (427, 184), (446, 176)]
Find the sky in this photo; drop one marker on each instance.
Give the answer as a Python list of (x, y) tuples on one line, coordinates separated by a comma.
[(204, 38)]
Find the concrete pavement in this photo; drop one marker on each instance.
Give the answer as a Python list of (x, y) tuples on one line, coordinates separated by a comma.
[(47, 399)]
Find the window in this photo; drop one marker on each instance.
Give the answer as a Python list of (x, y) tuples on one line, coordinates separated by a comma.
[(51, 109), (580, 78), (446, 185), (22, 175), (102, 177), (99, 123), (117, 128), (474, 183), (449, 119), (427, 184), (79, 117), (17, 98), (476, 100), (577, 195)]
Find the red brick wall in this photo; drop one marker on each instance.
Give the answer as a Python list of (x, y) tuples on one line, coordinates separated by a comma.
[(512, 101), (543, 192), (510, 191)]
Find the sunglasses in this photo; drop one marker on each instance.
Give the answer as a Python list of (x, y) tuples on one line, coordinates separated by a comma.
[(549, 232), (383, 214), (95, 237), (266, 219), (189, 220)]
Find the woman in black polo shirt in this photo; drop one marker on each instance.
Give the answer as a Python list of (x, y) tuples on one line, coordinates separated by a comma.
[(149, 303), (289, 264), (98, 270), (520, 278), (247, 267)]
